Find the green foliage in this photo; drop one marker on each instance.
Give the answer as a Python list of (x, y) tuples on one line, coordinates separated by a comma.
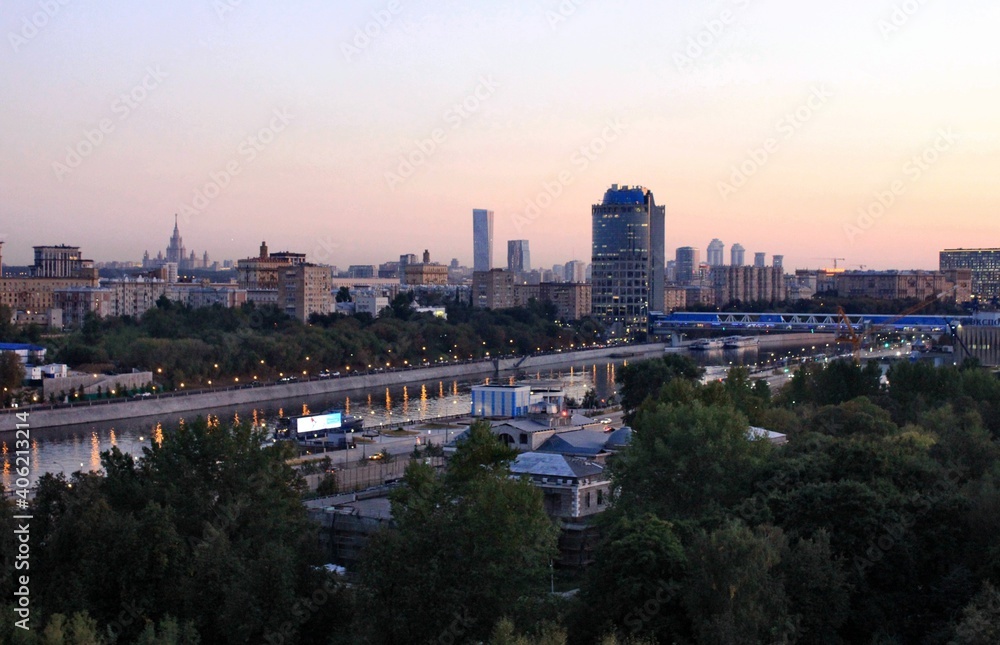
[(481, 452), (734, 593), (639, 381), (634, 586), (477, 542), (980, 624), (194, 346), (686, 459), (11, 371), (832, 383), (208, 528)]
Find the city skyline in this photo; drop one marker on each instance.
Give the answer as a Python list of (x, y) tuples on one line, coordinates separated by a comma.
[(876, 154)]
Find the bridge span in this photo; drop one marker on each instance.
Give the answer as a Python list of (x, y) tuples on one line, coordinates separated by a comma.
[(678, 321)]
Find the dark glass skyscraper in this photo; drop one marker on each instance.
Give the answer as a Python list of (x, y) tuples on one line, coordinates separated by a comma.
[(628, 256), (518, 256), (482, 240)]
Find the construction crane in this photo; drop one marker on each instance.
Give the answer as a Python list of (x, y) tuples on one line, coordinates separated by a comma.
[(856, 340)]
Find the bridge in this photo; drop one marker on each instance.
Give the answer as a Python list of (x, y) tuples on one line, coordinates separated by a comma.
[(678, 321)]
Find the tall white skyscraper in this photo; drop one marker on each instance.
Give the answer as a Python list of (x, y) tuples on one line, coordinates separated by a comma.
[(738, 255), (716, 253), (482, 239)]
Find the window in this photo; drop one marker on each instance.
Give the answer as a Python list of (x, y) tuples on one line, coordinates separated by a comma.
[(600, 497), (587, 498)]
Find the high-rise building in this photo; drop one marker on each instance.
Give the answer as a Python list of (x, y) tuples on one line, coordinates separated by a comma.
[(628, 258), (175, 249), (575, 272), (482, 239), (518, 256), (748, 284), (779, 261), (737, 255), (62, 262), (716, 253), (304, 289), (688, 260), (985, 266), (760, 260)]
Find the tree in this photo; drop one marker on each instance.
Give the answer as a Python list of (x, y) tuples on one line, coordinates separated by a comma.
[(206, 527), (734, 593), (685, 459), (11, 370), (980, 624), (641, 380), (634, 586), (477, 542), (833, 383), (344, 295)]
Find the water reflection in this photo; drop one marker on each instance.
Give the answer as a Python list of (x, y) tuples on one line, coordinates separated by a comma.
[(79, 447)]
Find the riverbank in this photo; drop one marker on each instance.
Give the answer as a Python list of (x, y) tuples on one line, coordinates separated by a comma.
[(188, 402)]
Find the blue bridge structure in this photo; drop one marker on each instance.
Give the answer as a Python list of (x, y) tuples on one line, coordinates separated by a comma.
[(664, 324)]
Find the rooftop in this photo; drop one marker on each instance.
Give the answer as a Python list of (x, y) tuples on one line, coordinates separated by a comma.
[(625, 195), (553, 465)]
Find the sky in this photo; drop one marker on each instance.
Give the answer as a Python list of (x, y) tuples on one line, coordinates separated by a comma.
[(358, 131)]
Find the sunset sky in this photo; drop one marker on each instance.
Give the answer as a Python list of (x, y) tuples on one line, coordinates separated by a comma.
[(774, 124)]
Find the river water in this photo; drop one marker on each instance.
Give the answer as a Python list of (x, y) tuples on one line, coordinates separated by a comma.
[(79, 447)]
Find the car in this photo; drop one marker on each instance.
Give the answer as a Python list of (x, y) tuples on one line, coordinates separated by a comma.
[(143, 395), (378, 456), (336, 374), (287, 379), (325, 374)]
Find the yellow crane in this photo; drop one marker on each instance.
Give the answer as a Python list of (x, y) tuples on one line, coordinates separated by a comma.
[(848, 334)]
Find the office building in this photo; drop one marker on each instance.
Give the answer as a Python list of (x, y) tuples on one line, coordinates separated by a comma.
[(737, 255), (482, 239), (628, 259), (748, 284), (368, 302), (259, 276), (687, 263), (984, 265), (493, 289), (364, 271), (575, 272), (518, 257), (426, 273), (955, 284), (779, 261), (760, 260), (716, 253), (61, 262), (305, 289)]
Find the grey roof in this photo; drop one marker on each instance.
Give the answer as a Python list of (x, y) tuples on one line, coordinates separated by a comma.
[(576, 442), (762, 433), (553, 465), (619, 438)]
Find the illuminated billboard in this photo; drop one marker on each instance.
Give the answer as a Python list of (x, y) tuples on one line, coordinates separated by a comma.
[(318, 423)]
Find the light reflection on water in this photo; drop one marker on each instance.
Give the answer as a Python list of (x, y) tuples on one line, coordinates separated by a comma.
[(79, 447)]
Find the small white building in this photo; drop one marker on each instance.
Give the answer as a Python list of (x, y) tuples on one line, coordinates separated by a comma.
[(369, 303), (53, 370)]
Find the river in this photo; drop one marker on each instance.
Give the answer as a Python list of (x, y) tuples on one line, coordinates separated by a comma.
[(79, 447)]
